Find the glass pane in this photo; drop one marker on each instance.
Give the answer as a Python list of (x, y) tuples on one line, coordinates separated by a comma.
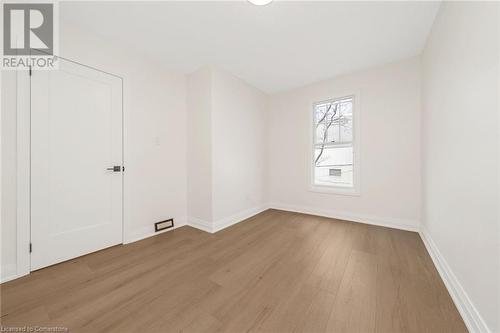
[(345, 122), (333, 166), (320, 132), (320, 112), (327, 122), (333, 134), (333, 121)]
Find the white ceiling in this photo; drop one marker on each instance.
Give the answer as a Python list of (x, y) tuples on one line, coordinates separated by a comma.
[(275, 47)]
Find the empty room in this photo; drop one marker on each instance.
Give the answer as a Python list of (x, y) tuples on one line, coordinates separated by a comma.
[(250, 166)]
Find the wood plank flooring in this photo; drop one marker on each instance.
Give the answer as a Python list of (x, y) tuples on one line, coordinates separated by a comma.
[(275, 272)]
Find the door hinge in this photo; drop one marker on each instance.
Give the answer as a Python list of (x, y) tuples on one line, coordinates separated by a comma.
[(123, 169), (31, 247)]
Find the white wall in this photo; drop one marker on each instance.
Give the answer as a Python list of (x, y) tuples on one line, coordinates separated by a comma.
[(226, 149), (460, 151), (199, 145), (239, 146), (155, 138), (389, 109)]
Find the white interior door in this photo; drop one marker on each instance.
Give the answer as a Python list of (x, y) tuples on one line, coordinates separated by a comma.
[(76, 135)]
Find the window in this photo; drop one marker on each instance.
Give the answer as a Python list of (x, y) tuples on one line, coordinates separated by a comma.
[(333, 145)]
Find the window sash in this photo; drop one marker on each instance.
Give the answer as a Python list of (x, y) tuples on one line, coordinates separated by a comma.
[(333, 145), (351, 188), (316, 122)]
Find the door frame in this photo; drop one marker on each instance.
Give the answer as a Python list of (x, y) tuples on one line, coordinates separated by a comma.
[(23, 177)]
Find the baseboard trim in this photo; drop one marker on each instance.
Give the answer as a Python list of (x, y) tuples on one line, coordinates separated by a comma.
[(237, 218), (200, 224), (213, 227), (466, 308), (149, 231), (395, 223)]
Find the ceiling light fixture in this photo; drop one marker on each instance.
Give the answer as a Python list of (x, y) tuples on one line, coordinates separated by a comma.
[(260, 2)]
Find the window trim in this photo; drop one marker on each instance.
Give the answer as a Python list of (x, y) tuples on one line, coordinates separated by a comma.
[(355, 190)]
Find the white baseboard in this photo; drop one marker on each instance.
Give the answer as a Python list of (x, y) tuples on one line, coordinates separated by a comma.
[(200, 224), (213, 227), (468, 311), (389, 222), (236, 218), (148, 231)]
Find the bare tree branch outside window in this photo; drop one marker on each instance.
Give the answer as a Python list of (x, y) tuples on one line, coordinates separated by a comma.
[(331, 117)]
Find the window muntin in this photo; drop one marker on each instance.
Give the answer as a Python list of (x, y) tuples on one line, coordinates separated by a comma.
[(333, 158)]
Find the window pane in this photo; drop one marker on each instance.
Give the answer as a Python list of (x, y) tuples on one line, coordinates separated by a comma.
[(320, 132), (334, 133), (320, 112), (345, 122), (333, 121), (333, 166)]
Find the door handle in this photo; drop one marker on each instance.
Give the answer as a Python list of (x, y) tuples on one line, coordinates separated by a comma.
[(115, 168)]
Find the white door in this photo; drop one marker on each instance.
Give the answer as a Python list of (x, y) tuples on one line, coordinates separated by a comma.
[(76, 135)]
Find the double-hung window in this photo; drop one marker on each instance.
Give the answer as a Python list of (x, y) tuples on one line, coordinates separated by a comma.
[(333, 162)]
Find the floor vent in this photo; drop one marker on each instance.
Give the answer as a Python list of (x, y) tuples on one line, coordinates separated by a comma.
[(159, 226)]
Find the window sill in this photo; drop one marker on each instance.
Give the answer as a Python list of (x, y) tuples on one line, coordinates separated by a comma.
[(335, 190)]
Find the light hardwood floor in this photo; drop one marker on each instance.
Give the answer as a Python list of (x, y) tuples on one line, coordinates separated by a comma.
[(275, 272)]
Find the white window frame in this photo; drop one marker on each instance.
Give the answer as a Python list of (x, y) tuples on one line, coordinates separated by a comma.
[(355, 190)]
